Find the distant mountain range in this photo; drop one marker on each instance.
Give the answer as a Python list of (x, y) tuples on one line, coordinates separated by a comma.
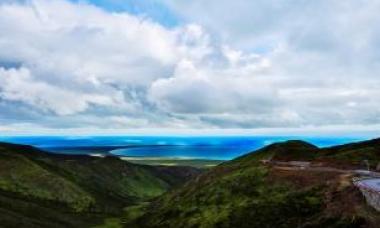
[(261, 189)]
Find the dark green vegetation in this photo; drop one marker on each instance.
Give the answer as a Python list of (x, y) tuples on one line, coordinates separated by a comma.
[(39, 189), (354, 153), (246, 192)]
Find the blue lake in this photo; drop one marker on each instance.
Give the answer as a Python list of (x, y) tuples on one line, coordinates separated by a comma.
[(192, 147)]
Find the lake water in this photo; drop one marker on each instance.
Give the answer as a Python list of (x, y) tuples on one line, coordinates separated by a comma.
[(191, 147)]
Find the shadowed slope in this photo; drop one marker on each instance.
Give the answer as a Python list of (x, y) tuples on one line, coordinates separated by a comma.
[(355, 153), (75, 185)]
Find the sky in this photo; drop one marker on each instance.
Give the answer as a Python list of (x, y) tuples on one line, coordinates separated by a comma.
[(159, 66)]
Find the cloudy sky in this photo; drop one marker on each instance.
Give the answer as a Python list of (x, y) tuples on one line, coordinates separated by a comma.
[(124, 66)]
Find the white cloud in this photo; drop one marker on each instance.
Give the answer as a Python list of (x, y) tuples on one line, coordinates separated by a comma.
[(85, 56), (241, 64), (197, 89), (19, 85)]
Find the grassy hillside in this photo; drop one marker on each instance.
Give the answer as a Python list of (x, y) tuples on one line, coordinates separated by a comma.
[(354, 153), (65, 190), (293, 150), (38, 189), (247, 193)]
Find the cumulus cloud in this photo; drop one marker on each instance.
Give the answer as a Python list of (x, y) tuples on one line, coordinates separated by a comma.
[(19, 85), (227, 90), (274, 64), (84, 56), (323, 54)]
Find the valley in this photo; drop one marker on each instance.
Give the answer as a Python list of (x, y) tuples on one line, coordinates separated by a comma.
[(285, 184)]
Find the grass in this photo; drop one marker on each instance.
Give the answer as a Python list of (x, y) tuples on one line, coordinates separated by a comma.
[(144, 185), (25, 177), (197, 163), (63, 190), (110, 223), (130, 213), (226, 201), (41, 190), (246, 193), (134, 212)]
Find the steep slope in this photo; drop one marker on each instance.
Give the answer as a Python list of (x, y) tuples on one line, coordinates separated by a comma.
[(19, 174), (354, 153), (74, 185), (247, 193)]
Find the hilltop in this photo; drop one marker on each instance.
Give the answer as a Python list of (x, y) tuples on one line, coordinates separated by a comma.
[(254, 191)]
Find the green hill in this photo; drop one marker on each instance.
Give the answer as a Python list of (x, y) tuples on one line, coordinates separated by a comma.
[(293, 150), (259, 189), (245, 192), (354, 153), (39, 189)]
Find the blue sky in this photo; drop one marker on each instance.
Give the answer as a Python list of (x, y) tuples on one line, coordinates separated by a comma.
[(154, 9), (191, 67)]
